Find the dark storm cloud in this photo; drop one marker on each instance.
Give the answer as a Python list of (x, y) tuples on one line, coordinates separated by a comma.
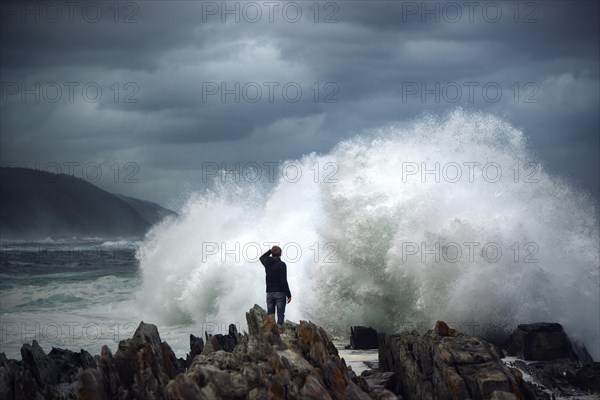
[(160, 67)]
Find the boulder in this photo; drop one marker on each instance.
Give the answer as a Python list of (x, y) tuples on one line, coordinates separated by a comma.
[(363, 338), (561, 366), (442, 329), (437, 365), (540, 342)]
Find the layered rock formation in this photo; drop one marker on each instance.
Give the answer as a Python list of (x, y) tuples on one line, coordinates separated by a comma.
[(557, 365), (40, 375), (299, 362), (445, 364), (140, 369), (542, 342), (442, 364)]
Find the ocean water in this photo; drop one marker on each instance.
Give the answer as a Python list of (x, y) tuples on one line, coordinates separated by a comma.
[(76, 294), (444, 217), (69, 293)]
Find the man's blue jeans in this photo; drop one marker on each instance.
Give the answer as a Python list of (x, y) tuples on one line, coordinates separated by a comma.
[(276, 299)]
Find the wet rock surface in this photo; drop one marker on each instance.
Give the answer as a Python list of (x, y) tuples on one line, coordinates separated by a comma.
[(560, 378), (296, 361), (445, 364), (381, 383), (543, 342), (293, 361), (556, 365)]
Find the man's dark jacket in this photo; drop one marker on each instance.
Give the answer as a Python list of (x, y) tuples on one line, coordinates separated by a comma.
[(276, 274)]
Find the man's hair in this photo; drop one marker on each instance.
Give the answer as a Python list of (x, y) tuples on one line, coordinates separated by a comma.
[(276, 251)]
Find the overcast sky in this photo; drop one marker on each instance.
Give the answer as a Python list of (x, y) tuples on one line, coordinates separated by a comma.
[(150, 88)]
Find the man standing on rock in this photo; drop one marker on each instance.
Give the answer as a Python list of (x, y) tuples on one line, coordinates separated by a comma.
[(277, 285)]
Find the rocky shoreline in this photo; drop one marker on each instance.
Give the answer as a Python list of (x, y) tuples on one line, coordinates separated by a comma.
[(445, 364), (299, 361)]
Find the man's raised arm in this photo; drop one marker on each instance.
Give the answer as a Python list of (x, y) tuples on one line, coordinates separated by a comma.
[(265, 257)]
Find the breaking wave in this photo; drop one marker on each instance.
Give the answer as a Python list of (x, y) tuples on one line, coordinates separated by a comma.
[(445, 217)]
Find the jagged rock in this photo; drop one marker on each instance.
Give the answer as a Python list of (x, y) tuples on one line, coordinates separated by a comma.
[(499, 395), (233, 331), (212, 345), (318, 349), (196, 347), (292, 361), (380, 383), (223, 370), (559, 360), (387, 395), (92, 386), (142, 356), (7, 377), (26, 386), (184, 387), (588, 377), (442, 328), (363, 338), (557, 376), (254, 318), (541, 342), (42, 367), (141, 368), (551, 374), (171, 364), (314, 387), (38, 375), (297, 362), (70, 364), (580, 352), (433, 366), (224, 342), (111, 379)]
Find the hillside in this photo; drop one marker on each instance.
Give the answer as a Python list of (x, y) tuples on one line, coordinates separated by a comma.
[(36, 204)]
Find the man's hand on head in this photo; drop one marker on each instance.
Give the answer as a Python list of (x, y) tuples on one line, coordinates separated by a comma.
[(289, 300)]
